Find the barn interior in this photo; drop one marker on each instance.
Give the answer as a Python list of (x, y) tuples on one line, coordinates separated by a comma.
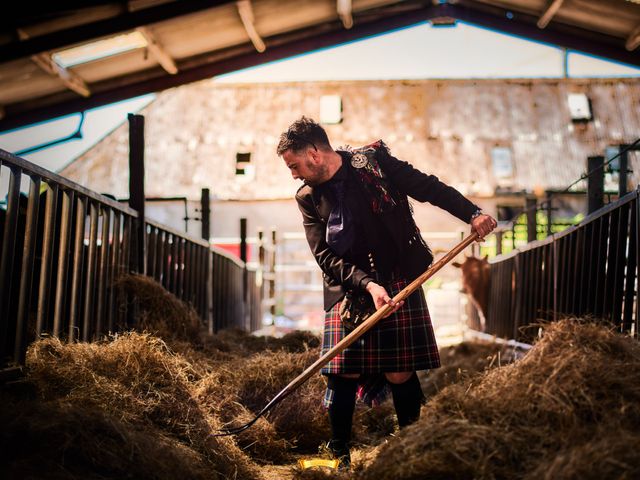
[(100, 246)]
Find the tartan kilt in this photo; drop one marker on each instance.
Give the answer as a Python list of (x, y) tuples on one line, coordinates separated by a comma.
[(402, 342)]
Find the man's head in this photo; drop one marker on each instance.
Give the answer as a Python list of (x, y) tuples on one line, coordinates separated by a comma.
[(306, 151)]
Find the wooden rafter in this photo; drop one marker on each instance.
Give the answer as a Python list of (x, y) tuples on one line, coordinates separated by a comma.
[(633, 41), (547, 15), (246, 15), (345, 12), (70, 79), (159, 53)]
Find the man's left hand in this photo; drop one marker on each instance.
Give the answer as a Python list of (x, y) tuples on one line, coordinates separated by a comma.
[(483, 225)]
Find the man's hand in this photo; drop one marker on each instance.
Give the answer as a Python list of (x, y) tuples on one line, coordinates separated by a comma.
[(382, 298), (483, 225)]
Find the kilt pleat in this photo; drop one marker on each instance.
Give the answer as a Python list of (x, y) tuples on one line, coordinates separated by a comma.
[(402, 342)]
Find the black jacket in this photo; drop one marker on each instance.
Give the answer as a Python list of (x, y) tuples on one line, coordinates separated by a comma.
[(409, 252)]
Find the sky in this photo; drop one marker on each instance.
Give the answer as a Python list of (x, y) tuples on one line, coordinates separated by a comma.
[(463, 51)]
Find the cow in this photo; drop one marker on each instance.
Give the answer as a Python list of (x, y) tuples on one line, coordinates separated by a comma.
[(476, 282)]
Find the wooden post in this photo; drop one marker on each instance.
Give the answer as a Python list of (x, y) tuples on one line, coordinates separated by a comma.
[(136, 189), (205, 211), (595, 183)]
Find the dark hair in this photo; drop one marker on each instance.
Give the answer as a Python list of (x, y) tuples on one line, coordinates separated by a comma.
[(302, 133)]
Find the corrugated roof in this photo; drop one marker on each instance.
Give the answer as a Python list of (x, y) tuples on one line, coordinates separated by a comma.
[(196, 39)]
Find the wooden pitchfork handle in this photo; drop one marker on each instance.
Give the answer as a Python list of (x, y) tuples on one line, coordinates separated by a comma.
[(355, 334)]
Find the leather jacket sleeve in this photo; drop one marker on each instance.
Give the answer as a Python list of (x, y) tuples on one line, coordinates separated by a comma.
[(336, 268), (423, 187)]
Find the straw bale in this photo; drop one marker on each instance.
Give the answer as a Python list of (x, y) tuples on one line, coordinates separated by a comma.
[(138, 380), (549, 410)]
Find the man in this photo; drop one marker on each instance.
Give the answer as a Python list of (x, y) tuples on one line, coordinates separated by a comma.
[(360, 228)]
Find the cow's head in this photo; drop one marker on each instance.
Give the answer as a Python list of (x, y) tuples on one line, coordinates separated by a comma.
[(476, 280)]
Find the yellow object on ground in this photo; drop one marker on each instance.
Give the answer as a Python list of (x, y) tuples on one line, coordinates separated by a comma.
[(318, 462)]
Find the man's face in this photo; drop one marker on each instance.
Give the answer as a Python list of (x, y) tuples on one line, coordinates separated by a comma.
[(306, 165)]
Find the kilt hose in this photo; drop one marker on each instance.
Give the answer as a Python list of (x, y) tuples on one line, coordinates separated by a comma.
[(402, 342)]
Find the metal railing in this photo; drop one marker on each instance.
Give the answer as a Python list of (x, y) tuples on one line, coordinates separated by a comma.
[(588, 269), (63, 246)]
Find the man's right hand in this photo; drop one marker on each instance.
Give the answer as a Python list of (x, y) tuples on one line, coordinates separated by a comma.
[(382, 298)]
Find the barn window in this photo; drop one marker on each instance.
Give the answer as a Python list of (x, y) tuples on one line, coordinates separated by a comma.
[(579, 107), (330, 109), (244, 167), (502, 164)]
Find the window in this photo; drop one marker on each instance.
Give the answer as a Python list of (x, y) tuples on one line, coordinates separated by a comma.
[(244, 168), (579, 107), (330, 109), (502, 165)]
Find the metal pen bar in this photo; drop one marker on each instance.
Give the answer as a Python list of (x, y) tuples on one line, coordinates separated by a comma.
[(44, 290), (26, 275), (88, 323), (116, 248), (78, 269), (7, 257), (101, 284), (63, 263)]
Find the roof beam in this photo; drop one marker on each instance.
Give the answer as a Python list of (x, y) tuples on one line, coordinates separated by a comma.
[(302, 41), (159, 53), (246, 15), (634, 40), (345, 12), (71, 80), (91, 31), (547, 15)]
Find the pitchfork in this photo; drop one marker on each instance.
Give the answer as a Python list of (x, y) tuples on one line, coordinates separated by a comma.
[(353, 336)]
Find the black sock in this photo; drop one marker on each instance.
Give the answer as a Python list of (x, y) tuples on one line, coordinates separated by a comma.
[(341, 412), (407, 399)]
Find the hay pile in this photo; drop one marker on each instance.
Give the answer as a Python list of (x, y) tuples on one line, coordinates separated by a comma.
[(137, 380), (160, 312), (133, 406), (569, 409)]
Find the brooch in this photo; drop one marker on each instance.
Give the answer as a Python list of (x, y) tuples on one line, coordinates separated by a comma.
[(359, 160)]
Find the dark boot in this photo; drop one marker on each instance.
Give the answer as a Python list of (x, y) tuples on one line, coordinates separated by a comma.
[(407, 399), (341, 416)]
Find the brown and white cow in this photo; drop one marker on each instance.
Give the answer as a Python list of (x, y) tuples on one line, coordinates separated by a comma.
[(476, 282)]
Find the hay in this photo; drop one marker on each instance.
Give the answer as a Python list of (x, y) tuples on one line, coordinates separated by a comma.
[(575, 391), (252, 382), (462, 362), (160, 312), (136, 379), (60, 440)]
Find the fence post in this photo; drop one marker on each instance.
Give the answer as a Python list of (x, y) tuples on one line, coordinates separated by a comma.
[(245, 273), (136, 188), (623, 162), (205, 211), (272, 269), (499, 242), (532, 226), (595, 183), (549, 211)]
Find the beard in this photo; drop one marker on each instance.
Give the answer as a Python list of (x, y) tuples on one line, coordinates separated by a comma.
[(317, 173)]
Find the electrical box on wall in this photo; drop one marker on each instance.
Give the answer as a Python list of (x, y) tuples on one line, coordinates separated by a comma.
[(579, 107)]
